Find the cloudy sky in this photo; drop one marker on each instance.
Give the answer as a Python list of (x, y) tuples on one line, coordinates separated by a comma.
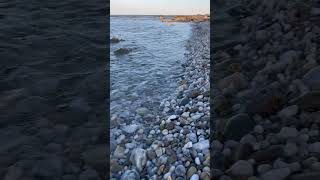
[(159, 7)]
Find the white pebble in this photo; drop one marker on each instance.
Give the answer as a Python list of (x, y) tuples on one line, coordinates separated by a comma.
[(197, 161)]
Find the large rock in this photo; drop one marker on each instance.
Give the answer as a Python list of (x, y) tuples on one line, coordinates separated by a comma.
[(122, 51), (276, 174), (202, 145), (314, 147), (242, 152), (312, 78), (114, 40), (238, 126), (265, 104), (288, 132), (309, 101), (221, 105), (288, 111), (241, 168), (139, 158), (270, 154), (306, 176), (236, 82)]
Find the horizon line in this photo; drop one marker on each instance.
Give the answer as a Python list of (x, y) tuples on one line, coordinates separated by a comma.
[(159, 14)]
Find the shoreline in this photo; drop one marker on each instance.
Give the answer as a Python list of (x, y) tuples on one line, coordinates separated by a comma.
[(266, 99), (185, 18), (168, 151)]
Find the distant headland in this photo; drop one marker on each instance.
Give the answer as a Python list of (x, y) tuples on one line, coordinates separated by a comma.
[(185, 18)]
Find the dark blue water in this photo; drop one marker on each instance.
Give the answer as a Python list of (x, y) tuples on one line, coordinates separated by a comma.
[(148, 74)]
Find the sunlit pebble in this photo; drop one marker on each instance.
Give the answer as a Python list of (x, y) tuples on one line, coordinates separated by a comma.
[(166, 176), (165, 132), (200, 97), (172, 168), (197, 161), (167, 104), (140, 131), (199, 132), (200, 103), (187, 163)]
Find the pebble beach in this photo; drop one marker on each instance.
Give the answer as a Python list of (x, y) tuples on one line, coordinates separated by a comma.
[(266, 90), (176, 144)]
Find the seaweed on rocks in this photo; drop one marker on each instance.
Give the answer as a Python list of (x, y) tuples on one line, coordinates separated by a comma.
[(122, 51), (114, 40)]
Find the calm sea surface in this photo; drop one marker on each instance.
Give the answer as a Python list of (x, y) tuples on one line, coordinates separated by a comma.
[(148, 74)]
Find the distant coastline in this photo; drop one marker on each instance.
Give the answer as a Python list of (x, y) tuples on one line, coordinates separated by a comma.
[(186, 18), (174, 18)]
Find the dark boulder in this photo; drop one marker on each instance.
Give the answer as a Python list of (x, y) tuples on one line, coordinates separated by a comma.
[(122, 51), (265, 104), (238, 126), (309, 101), (115, 40), (312, 78)]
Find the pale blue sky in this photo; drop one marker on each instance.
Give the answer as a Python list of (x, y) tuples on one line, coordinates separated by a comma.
[(159, 7)]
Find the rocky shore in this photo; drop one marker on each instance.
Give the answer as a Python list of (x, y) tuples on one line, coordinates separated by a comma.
[(266, 98), (186, 18), (176, 144)]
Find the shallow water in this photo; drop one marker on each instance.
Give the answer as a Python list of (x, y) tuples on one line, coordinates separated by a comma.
[(148, 74)]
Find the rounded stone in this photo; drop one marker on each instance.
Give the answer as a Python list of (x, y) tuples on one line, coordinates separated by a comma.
[(241, 167), (191, 171), (258, 129), (194, 177), (180, 170)]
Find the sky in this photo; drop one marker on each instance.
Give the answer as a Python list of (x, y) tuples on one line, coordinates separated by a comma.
[(159, 7)]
